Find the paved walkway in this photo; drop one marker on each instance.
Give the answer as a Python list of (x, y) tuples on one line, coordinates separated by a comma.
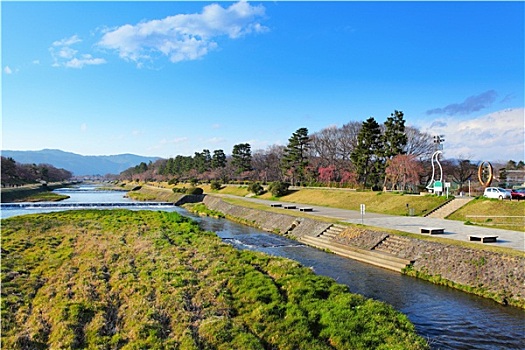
[(453, 229)]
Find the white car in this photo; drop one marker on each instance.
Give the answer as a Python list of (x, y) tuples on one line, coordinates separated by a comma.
[(496, 192)]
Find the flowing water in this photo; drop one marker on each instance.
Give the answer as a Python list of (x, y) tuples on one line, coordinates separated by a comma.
[(448, 318)]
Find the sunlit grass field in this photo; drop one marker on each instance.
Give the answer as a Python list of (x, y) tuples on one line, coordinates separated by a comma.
[(494, 213), (119, 279)]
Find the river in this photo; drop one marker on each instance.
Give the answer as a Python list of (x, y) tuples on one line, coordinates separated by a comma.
[(447, 318)]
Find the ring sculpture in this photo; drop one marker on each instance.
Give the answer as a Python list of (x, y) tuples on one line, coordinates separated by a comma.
[(482, 167)]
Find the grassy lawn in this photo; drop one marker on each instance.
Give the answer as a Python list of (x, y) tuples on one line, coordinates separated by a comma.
[(493, 213), (376, 202), (120, 279)]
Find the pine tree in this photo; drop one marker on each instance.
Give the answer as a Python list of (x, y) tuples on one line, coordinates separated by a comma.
[(242, 157), (295, 159), (366, 156), (394, 138), (218, 159)]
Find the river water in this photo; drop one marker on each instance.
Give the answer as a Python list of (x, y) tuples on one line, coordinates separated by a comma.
[(447, 318)]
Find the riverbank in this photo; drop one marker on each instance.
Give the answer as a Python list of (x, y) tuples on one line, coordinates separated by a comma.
[(490, 272), (153, 279), (35, 193)]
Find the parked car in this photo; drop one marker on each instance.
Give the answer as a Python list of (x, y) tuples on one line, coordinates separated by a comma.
[(497, 192), (518, 194)]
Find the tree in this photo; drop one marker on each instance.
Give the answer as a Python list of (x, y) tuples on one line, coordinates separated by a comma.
[(242, 158), (463, 172), (394, 138), (366, 156), (295, 159), (418, 143), (401, 171), (267, 163), (218, 159)]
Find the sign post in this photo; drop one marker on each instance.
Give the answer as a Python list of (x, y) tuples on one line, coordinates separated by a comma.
[(362, 213), (438, 187)]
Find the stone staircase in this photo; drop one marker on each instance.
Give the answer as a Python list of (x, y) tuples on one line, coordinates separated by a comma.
[(332, 231), (449, 207), (379, 258), (392, 245)]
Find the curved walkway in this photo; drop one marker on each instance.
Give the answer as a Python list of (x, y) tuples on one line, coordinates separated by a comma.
[(453, 229)]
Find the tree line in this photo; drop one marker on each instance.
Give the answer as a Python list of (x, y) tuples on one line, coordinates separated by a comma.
[(364, 154), (16, 174)]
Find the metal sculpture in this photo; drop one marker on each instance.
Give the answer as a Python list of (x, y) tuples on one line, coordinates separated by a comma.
[(485, 167), (436, 185)]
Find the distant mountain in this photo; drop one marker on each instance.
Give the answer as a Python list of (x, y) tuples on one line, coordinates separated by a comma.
[(78, 164)]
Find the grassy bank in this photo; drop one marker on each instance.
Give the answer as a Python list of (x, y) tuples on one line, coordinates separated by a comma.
[(493, 213), (36, 193), (127, 280), (376, 202)]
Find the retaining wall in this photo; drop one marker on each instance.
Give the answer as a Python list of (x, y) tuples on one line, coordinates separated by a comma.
[(490, 274)]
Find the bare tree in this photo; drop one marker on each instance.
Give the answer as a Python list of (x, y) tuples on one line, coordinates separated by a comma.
[(419, 144)]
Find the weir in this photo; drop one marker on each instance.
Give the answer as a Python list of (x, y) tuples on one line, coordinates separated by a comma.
[(85, 205)]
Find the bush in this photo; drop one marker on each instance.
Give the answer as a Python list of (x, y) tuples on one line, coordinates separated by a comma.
[(194, 190), (136, 188), (173, 181), (278, 189), (179, 190), (256, 188), (215, 185)]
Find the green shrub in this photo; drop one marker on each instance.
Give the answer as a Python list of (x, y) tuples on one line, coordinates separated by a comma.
[(256, 188), (194, 190), (215, 185), (278, 188), (173, 181), (179, 190)]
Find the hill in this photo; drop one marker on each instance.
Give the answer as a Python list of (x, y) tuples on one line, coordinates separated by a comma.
[(78, 164)]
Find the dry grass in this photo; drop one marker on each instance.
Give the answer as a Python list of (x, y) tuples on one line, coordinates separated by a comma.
[(377, 202), (509, 215)]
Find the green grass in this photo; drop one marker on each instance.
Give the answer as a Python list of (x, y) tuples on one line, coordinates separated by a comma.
[(46, 197), (118, 279), (376, 202), (490, 213)]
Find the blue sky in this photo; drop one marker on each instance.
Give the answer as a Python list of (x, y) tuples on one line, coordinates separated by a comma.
[(169, 78)]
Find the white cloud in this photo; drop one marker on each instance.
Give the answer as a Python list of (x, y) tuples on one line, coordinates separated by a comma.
[(8, 70), (498, 136), (66, 56), (83, 61), (83, 127), (184, 36), (67, 41)]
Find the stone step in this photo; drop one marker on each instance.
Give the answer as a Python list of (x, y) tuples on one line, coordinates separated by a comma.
[(375, 258), (392, 244), (449, 207), (333, 231)]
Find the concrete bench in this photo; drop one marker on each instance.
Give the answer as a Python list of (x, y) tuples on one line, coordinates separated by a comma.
[(276, 205), (306, 209), (289, 207), (432, 230), (483, 238)]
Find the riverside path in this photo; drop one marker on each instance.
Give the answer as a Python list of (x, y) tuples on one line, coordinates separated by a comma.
[(456, 230)]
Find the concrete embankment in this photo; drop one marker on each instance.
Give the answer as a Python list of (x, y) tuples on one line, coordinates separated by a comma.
[(494, 275)]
